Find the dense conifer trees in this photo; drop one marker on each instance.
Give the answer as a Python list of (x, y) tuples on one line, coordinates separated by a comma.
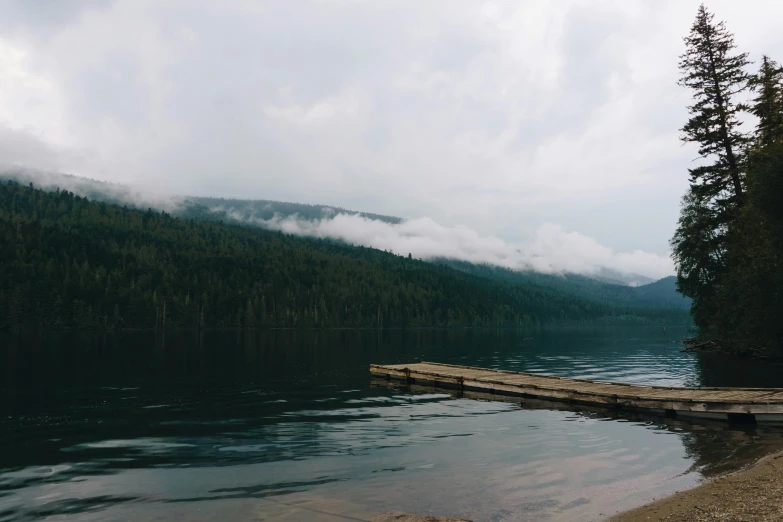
[(68, 262), (767, 105)]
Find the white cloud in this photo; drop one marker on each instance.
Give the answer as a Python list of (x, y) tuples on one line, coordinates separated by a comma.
[(89, 188), (553, 250), (502, 115), (340, 106), (29, 102)]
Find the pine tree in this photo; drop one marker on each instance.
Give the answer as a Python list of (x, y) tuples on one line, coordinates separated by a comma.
[(699, 250), (768, 103), (716, 75)]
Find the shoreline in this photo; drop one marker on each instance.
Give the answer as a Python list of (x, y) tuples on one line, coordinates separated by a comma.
[(751, 493), (744, 349)]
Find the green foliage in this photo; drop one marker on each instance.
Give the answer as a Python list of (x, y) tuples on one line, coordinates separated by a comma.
[(699, 250), (767, 106), (659, 294), (68, 262), (729, 245), (715, 75), (748, 301)]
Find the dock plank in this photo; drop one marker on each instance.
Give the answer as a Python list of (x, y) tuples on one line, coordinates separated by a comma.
[(764, 403)]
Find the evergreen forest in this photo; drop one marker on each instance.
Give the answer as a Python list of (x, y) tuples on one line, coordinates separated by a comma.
[(659, 294), (247, 210), (67, 261)]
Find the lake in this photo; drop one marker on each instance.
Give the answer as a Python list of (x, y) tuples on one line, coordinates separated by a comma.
[(288, 425)]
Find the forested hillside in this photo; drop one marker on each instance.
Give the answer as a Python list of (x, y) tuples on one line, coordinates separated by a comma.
[(251, 210), (660, 294), (66, 261), (605, 285)]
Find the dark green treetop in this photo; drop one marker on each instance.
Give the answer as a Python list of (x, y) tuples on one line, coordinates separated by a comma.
[(699, 250), (715, 73), (768, 104)]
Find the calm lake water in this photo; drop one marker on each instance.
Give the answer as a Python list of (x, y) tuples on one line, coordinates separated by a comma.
[(287, 425)]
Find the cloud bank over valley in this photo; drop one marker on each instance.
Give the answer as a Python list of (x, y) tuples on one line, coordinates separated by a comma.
[(553, 249), (502, 115)]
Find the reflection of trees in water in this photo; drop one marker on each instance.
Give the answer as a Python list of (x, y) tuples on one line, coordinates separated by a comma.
[(719, 447), (724, 370), (196, 387), (715, 447), (278, 393), (283, 359)]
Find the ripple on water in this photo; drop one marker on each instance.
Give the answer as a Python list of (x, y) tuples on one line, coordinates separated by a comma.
[(300, 421)]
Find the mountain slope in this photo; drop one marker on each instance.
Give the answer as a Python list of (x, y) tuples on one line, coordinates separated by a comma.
[(607, 286), (195, 207), (66, 261), (659, 294), (249, 210)]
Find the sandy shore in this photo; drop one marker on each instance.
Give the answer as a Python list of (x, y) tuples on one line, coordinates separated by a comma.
[(405, 517), (752, 494)]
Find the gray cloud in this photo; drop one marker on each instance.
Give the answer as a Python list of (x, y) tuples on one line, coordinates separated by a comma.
[(18, 147), (43, 17), (501, 116), (93, 189), (553, 250)]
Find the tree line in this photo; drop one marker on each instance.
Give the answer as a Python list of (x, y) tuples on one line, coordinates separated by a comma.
[(70, 262), (728, 245), (658, 294), (242, 210)]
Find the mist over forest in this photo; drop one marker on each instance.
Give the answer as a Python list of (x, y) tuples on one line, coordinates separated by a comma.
[(552, 250)]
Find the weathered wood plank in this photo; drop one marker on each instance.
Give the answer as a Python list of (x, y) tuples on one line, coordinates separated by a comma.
[(702, 401)]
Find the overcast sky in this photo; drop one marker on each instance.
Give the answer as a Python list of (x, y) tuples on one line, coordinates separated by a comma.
[(500, 116)]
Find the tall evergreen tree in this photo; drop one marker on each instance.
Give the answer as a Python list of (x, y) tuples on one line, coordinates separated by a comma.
[(716, 74), (768, 103)]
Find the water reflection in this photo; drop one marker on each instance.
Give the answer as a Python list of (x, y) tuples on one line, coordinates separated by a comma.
[(722, 370), (237, 425), (707, 443)]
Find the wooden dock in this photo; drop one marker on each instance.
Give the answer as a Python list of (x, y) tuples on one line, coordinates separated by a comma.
[(760, 405)]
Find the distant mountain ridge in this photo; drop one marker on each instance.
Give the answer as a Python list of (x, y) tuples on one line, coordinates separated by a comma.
[(70, 262), (608, 275), (607, 286), (658, 294), (246, 210), (193, 207)]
